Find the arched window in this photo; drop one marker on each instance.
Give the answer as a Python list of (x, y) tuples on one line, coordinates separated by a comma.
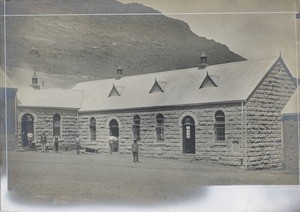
[(114, 128), (136, 127), (220, 126), (93, 128), (56, 125), (160, 127)]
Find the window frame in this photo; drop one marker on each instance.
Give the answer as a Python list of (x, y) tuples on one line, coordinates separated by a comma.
[(136, 127), (93, 129), (219, 127), (56, 125), (160, 131)]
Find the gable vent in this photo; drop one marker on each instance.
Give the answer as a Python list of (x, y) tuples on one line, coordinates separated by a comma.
[(208, 82), (158, 87)]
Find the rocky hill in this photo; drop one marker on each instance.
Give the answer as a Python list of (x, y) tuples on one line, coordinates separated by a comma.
[(95, 45)]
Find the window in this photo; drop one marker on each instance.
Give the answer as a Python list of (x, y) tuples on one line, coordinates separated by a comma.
[(160, 127), (136, 127), (93, 128), (114, 128), (220, 126), (56, 125)]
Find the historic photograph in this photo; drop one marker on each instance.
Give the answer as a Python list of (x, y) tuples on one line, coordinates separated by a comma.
[(127, 104)]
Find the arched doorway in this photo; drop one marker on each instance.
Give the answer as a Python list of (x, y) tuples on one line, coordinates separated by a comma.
[(114, 128), (188, 135), (27, 126)]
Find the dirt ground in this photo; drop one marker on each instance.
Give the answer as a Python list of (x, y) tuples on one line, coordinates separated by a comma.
[(67, 178)]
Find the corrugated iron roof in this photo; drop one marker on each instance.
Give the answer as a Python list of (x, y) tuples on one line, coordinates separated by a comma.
[(49, 97), (236, 81), (292, 107)]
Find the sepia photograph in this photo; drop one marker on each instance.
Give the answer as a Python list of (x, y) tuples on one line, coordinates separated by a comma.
[(141, 105)]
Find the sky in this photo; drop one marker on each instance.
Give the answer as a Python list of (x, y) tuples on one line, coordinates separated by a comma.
[(255, 29)]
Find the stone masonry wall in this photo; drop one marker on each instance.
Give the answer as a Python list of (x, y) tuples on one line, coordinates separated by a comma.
[(43, 123), (264, 137), (172, 146)]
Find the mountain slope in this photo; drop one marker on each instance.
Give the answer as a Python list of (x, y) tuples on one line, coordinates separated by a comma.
[(95, 45)]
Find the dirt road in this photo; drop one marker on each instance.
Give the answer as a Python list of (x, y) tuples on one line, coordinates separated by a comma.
[(67, 178)]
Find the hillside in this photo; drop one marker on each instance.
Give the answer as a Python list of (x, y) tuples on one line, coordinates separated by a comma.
[(95, 45)]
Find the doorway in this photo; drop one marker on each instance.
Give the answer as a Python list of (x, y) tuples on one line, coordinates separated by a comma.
[(188, 135), (27, 126)]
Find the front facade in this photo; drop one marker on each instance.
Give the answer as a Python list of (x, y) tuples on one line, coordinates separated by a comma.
[(228, 113)]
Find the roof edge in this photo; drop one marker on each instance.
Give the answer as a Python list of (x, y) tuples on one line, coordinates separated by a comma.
[(48, 107), (164, 106)]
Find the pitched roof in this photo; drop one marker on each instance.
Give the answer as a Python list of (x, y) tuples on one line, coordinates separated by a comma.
[(49, 97), (292, 107), (236, 82)]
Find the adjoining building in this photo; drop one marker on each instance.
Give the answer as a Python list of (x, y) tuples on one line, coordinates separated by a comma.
[(47, 110), (291, 132), (8, 111), (226, 113)]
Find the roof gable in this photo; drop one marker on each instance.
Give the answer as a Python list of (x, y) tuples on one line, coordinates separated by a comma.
[(114, 91), (279, 62), (208, 82), (156, 88)]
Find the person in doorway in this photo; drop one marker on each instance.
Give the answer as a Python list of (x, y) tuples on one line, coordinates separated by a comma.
[(77, 142), (43, 142), (135, 151), (30, 138), (55, 141), (33, 143)]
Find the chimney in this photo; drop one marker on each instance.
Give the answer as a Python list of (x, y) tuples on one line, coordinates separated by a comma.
[(119, 72), (203, 61), (34, 81)]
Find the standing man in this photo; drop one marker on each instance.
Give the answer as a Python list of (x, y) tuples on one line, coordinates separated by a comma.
[(55, 141), (30, 138), (77, 142), (43, 141), (135, 151)]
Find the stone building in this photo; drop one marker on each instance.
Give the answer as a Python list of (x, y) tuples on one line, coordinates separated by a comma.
[(226, 113), (291, 132), (47, 110)]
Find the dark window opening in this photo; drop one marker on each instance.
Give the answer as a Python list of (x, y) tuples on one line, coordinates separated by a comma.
[(220, 126), (56, 125), (160, 134), (136, 127), (93, 128)]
